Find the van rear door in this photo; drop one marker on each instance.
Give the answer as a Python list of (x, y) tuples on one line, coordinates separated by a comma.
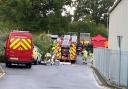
[(20, 48)]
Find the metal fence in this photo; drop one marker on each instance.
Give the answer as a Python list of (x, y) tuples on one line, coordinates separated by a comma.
[(113, 65)]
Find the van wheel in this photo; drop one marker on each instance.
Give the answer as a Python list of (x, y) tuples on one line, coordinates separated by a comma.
[(29, 65), (35, 62), (8, 64)]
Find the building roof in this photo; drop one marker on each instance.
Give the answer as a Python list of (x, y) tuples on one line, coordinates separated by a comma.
[(114, 6)]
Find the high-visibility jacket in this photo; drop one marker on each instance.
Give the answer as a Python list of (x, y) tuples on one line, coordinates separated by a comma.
[(85, 53)]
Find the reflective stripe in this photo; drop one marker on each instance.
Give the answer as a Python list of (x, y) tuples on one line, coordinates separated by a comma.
[(12, 44), (73, 53), (24, 40), (23, 46), (29, 41), (20, 44), (16, 46), (72, 57), (73, 50), (12, 39), (73, 45)]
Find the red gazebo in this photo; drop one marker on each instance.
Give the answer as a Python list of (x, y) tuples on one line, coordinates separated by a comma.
[(99, 41)]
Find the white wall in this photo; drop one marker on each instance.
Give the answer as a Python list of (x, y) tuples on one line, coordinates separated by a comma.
[(118, 25)]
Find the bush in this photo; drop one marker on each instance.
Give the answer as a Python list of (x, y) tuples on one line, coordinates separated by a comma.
[(43, 42)]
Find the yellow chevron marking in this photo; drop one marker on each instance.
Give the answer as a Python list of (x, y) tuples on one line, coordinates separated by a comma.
[(12, 44), (73, 53), (16, 46), (26, 43), (74, 50), (72, 57), (73, 45), (29, 40), (23, 46)]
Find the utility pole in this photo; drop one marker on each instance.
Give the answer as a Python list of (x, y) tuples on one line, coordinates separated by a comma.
[(119, 38), (50, 2), (107, 14)]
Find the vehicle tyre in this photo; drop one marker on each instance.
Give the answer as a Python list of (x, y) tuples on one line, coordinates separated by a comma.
[(8, 64), (29, 65), (35, 62)]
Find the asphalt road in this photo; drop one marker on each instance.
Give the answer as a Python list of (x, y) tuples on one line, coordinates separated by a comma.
[(49, 77)]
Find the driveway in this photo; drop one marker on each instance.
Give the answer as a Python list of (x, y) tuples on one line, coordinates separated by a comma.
[(49, 77)]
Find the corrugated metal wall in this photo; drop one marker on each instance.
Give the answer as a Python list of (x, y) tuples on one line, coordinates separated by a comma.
[(109, 65)]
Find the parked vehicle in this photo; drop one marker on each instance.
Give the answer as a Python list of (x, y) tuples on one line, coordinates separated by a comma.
[(19, 47), (36, 55)]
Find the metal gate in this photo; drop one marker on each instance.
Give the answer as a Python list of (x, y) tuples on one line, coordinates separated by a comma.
[(112, 65)]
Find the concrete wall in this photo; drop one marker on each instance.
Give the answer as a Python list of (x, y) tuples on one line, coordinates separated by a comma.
[(118, 26)]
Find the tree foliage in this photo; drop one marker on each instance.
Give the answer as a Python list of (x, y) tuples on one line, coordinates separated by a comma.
[(89, 26), (93, 8), (34, 14), (42, 41), (45, 15)]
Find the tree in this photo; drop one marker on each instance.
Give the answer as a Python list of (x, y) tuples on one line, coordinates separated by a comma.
[(34, 14), (89, 26), (93, 8), (42, 41)]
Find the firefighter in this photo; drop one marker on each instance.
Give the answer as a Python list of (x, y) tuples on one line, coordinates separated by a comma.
[(79, 47), (92, 57), (89, 48), (84, 56)]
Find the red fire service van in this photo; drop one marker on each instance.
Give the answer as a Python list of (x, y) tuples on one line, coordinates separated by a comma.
[(19, 47)]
